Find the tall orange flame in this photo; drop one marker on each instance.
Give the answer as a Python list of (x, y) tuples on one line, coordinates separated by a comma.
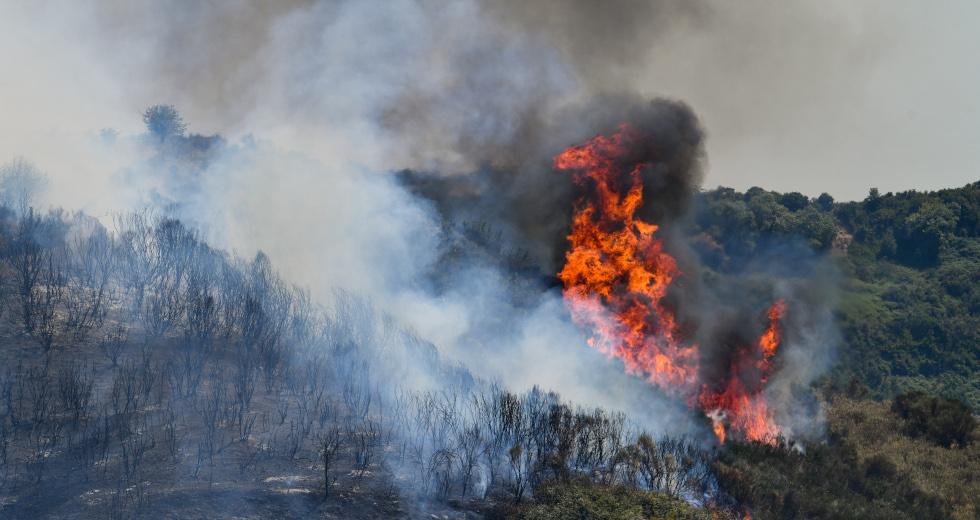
[(616, 276)]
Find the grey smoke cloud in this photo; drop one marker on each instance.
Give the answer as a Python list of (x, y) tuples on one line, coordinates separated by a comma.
[(834, 96), (829, 97)]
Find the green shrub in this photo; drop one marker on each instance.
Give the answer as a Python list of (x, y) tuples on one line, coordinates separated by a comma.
[(944, 421)]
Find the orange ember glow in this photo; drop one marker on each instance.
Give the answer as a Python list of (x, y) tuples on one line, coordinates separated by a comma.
[(615, 278)]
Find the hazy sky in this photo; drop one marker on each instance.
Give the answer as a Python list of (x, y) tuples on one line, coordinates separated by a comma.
[(833, 96)]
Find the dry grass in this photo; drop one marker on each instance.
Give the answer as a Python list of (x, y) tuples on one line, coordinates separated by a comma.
[(952, 473)]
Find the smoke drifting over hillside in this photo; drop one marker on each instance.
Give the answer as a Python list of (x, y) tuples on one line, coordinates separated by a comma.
[(468, 101)]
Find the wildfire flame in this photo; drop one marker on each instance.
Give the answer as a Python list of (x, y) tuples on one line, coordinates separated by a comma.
[(616, 276)]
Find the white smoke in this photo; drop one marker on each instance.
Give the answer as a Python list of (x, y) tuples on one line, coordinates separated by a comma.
[(337, 94)]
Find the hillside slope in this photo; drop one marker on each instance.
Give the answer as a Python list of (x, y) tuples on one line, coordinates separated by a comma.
[(909, 277)]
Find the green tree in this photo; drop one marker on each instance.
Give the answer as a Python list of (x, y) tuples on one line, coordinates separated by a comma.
[(825, 201), (794, 201), (927, 231)]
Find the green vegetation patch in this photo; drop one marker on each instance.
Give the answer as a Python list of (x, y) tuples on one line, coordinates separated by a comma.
[(881, 460), (583, 500)]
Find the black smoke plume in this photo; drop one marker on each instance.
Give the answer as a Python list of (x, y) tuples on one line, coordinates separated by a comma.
[(723, 313)]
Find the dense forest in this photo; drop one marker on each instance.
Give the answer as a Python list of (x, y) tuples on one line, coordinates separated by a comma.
[(902, 397), (909, 310), (146, 371)]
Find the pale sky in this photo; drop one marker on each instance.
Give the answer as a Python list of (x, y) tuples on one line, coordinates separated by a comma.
[(837, 98)]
